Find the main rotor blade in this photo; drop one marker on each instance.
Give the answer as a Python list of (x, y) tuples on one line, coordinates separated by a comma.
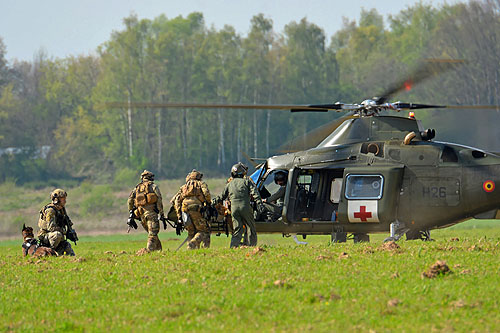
[(415, 106), (294, 108), (425, 70), (478, 107), (314, 137)]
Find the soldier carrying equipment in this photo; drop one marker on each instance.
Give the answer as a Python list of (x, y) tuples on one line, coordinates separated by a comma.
[(145, 203), (238, 191), (189, 203)]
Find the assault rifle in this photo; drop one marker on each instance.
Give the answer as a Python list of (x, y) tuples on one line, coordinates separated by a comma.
[(68, 225), (131, 220)]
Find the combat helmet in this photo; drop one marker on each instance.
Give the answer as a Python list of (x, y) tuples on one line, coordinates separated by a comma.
[(239, 170), (56, 194), (147, 175), (194, 174)]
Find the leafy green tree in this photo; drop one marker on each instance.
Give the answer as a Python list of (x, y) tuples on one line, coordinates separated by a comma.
[(257, 77), (304, 73), (4, 70)]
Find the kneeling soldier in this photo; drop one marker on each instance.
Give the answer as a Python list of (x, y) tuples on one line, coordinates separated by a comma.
[(145, 202), (55, 225)]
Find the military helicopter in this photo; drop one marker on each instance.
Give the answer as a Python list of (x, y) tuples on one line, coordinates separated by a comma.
[(371, 173)]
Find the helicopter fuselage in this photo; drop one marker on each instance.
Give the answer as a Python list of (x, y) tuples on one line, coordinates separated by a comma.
[(367, 175)]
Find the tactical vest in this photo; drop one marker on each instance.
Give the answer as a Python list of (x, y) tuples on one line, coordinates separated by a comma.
[(59, 216), (144, 194), (193, 189)]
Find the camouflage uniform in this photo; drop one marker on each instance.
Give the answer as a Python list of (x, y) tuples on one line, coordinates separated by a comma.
[(238, 191), (190, 199), (146, 202), (51, 222)]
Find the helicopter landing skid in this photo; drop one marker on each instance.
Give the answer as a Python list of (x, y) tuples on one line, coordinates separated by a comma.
[(398, 229), (294, 236)]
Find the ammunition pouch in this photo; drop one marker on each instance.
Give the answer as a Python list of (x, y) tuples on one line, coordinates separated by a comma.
[(140, 199), (138, 213)]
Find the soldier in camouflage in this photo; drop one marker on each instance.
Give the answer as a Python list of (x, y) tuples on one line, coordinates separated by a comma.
[(189, 202), (52, 221), (238, 191), (145, 202)]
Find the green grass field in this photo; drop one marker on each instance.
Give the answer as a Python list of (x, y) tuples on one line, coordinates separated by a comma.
[(281, 287)]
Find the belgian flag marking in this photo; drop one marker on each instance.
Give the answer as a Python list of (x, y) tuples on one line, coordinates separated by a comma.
[(489, 186)]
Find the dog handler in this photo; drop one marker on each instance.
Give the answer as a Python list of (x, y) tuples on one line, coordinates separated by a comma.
[(52, 220)]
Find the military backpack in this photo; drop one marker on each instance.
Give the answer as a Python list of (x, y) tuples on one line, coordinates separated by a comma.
[(145, 195), (191, 189)]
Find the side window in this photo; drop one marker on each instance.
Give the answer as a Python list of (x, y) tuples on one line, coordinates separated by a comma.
[(364, 186), (449, 155), (335, 190), (305, 181)]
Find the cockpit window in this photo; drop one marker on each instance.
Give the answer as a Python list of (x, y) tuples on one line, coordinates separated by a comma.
[(364, 186), (269, 183), (305, 181)]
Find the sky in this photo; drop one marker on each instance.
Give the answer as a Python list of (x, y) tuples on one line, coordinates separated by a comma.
[(63, 28)]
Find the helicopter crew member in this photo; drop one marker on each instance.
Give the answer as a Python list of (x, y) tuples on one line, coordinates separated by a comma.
[(238, 191), (54, 224), (145, 202), (245, 240), (189, 202), (278, 198)]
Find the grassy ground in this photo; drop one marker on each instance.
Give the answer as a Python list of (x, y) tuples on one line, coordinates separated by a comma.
[(281, 287)]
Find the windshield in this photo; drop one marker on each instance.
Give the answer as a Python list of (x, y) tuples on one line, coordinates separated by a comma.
[(269, 183), (256, 175)]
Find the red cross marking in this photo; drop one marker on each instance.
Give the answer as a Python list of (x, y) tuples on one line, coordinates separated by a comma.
[(363, 214)]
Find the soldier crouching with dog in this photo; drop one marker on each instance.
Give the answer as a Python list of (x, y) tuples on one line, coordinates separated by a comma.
[(190, 202), (145, 203), (55, 226)]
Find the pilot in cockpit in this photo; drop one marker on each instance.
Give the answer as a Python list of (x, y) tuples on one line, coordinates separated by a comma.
[(274, 203)]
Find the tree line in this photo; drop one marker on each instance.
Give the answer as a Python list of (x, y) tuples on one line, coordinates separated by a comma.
[(58, 103)]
